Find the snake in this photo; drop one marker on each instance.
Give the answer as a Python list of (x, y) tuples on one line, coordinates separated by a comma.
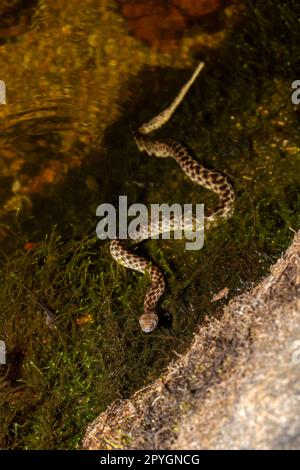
[(212, 180)]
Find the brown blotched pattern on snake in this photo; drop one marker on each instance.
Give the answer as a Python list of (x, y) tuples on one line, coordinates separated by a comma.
[(210, 179)]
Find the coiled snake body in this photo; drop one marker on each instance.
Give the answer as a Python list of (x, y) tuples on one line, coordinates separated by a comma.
[(210, 179)]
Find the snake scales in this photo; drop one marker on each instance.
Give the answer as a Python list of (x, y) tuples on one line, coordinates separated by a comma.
[(210, 179)]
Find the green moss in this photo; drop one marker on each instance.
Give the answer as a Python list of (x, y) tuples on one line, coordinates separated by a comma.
[(238, 118)]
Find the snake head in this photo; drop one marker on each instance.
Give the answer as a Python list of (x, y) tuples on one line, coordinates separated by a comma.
[(148, 322)]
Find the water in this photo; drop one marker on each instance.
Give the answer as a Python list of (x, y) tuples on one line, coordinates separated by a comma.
[(67, 74)]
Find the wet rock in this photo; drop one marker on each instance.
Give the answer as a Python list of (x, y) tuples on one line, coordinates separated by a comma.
[(161, 23), (199, 8)]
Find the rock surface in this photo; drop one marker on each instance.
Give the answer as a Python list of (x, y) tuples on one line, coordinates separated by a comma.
[(236, 387), (162, 23)]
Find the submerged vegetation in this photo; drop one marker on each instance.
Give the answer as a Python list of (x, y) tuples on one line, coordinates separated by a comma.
[(238, 118)]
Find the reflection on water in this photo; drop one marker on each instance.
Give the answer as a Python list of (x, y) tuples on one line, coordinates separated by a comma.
[(66, 66), (15, 18)]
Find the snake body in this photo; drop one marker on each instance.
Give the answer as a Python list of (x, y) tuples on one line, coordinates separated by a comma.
[(210, 179)]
